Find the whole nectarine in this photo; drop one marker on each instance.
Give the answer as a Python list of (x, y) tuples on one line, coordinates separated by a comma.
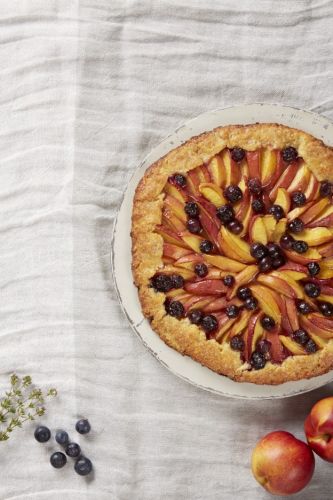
[(319, 428), (282, 464)]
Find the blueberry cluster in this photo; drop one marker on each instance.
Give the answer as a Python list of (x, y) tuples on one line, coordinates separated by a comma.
[(226, 213), (268, 256), (165, 283), (58, 459), (208, 322)]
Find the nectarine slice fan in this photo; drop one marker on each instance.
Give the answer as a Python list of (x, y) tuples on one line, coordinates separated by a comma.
[(233, 251)]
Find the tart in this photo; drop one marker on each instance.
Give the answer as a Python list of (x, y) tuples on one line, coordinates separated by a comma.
[(232, 252)]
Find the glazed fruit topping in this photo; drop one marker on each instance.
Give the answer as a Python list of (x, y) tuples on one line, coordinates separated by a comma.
[(225, 213), (244, 293), (209, 323), (228, 280), (206, 246), (298, 199), (195, 316), (300, 246), (175, 309), (258, 360), (237, 343), (313, 268), (258, 250), (326, 189), (303, 307), (312, 290), (232, 311), (277, 212), (289, 154), (296, 225), (300, 336), (201, 270), (254, 186), (267, 322), (192, 209), (258, 206), (233, 193), (194, 226), (235, 226), (237, 154), (326, 308)]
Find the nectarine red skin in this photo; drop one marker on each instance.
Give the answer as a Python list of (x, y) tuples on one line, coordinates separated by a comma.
[(318, 428), (282, 464)]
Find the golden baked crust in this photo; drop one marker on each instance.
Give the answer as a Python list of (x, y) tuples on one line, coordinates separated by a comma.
[(147, 247)]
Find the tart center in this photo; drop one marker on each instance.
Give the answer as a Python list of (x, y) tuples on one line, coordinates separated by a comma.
[(248, 253)]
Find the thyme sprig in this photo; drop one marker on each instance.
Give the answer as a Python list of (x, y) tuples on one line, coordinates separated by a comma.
[(22, 402)]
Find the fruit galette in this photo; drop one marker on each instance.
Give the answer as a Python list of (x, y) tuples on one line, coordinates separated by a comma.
[(233, 252)]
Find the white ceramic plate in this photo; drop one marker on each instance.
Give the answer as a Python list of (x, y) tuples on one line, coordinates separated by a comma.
[(184, 366)]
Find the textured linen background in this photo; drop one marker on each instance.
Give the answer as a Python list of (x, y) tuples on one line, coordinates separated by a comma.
[(87, 88)]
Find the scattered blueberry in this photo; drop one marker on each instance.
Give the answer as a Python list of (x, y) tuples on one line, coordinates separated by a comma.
[(303, 307), (192, 209), (265, 264), (83, 466), (195, 316), (225, 213), (228, 280), (61, 437), (162, 283), (237, 154), (42, 434), (237, 343), (298, 199), (267, 322), (244, 293), (232, 311), (177, 281), (258, 250), (326, 189), (312, 290), (251, 304), (175, 309), (180, 180), (263, 346), (278, 261), (296, 225), (310, 346), (300, 336), (194, 226), (300, 246), (201, 270), (58, 459), (254, 186), (326, 308), (258, 206), (273, 250), (233, 193), (277, 212), (82, 426), (313, 268), (289, 154), (209, 323), (235, 226), (257, 360), (286, 241), (206, 246), (73, 450)]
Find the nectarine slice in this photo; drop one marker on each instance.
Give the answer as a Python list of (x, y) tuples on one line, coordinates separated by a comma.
[(217, 170), (224, 263), (283, 199), (268, 301)]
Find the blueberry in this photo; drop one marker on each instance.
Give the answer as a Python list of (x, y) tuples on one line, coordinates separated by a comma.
[(58, 459), (235, 226), (310, 346), (42, 434), (180, 180), (225, 213), (83, 466), (263, 346), (303, 307), (254, 186), (195, 316), (326, 308), (277, 212), (175, 309), (82, 426), (206, 246), (251, 304), (201, 270), (267, 322), (61, 437), (278, 261), (233, 193), (232, 311), (298, 199), (300, 336), (257, 360), (265, 264), (194, 226), (209, 323), (289, 154), (228, 280), (326, 189), (286, 241), (258, 250), (162, 283), (273, 250), (73, 450), (244, 293), (312, 290), (177, 281), (296, 225), (313, 268), (300, 246), (192, 209), (237, 154), (258, 206), (237, 343)]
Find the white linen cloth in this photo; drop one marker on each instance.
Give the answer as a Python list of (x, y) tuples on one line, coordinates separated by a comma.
[(87, 88)]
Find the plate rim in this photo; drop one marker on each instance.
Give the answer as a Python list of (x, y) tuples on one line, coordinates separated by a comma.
[(134, 327)]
